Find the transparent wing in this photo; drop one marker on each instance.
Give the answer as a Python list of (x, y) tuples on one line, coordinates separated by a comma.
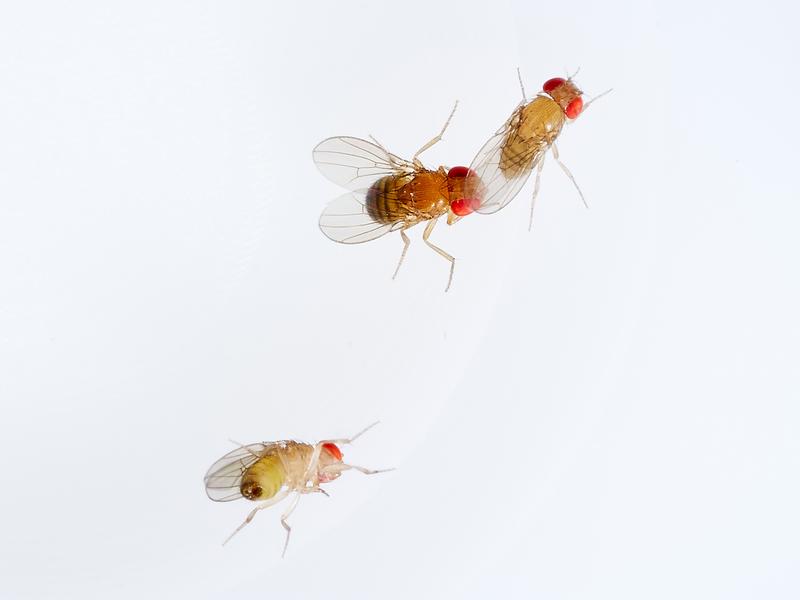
[(499, 185), (354, 163), (224, 476), (346, 220)]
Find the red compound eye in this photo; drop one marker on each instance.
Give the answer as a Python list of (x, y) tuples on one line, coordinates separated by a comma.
[(333, 450), (460, 172), (574, 108), (464, 206), (553, 83)]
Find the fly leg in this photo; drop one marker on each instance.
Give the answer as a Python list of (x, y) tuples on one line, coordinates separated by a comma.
[(266, 504), (349, 440), (245, 448), (438, 138), (535, 190), (341, 467), (425, 235), (585, 106), (522, 86), (377, 143), (313, 463), (389, 155), (286, 514), (566, 170), (406, 242)]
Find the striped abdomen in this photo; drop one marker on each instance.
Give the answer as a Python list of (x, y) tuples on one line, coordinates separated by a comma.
[(538, 125), (410, 198)]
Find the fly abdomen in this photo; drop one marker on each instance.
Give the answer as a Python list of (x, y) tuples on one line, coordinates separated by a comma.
[(383, 200), (517, 156), (264, 478)]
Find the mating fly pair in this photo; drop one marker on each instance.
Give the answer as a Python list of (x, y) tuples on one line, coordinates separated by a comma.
[(388, 193)]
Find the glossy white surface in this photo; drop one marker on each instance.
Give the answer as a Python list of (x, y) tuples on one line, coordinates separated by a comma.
[(604, 408)]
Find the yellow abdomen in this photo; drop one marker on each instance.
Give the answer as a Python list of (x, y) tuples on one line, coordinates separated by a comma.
[(263, 479), (283, 464)]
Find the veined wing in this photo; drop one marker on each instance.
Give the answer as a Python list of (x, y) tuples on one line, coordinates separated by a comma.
[(225, 476), (500, 177), (346, 220), (355, 164)]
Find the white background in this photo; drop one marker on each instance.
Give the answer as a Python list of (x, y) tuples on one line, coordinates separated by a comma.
[(604, 408)]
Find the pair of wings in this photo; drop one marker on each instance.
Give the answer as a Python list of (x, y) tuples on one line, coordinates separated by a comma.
[(497, 190), (355, 164), (224, 477)]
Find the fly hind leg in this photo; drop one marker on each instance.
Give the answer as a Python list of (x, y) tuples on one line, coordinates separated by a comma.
[(389, 155), (266, 504), (286, 514), (535, 190), (522, 86), (438, 138), (568, 174), (406, 242), (427, 234)]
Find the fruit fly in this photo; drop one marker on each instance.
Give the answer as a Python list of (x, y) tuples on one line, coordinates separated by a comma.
[(388, 193), (269, 472), (504, 163)]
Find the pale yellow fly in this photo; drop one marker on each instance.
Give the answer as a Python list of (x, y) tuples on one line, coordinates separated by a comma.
[(269, 472)]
